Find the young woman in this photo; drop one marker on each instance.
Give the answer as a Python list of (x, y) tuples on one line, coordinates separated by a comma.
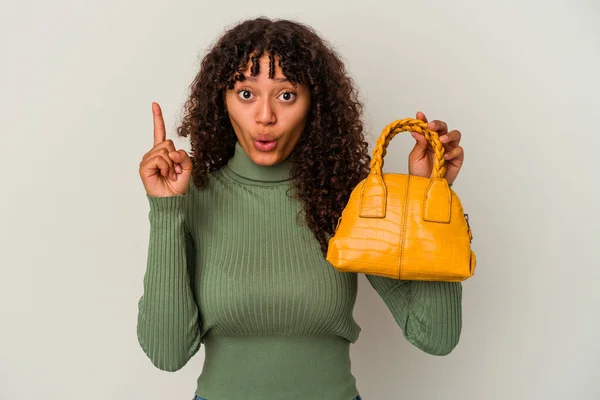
[(239, 228)]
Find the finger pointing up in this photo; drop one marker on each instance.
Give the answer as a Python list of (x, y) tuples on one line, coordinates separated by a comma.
[(160, 134)]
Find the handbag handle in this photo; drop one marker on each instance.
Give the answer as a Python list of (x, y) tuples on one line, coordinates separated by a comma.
[(373, 197), (410, 125)]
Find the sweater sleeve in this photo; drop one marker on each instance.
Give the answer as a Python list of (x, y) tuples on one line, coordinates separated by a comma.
[(168, 320), (429, 313)]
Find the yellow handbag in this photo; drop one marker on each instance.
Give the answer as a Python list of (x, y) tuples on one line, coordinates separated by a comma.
[(404, 226)]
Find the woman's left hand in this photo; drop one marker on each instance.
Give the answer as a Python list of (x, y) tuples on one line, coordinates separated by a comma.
[(420, 159)]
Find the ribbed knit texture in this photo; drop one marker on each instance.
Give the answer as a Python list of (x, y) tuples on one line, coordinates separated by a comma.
[(233, 266)]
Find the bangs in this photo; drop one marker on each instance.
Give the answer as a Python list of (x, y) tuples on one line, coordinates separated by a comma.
[(288, 61)]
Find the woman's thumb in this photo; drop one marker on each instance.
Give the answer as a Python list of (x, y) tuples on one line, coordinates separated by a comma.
[(182, 158)]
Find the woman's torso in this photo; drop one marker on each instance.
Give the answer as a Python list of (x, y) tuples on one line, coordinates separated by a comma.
[(276, 317)]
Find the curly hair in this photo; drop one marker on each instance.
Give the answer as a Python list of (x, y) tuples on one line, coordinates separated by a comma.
[(331, 156)]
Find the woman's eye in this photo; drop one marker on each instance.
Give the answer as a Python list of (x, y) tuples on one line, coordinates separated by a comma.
[(288, 96), (245, 94)]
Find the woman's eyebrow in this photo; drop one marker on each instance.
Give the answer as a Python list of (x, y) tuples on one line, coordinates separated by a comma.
[(278, 80)]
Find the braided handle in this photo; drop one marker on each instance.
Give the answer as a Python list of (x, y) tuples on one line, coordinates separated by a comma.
[(409, 125)]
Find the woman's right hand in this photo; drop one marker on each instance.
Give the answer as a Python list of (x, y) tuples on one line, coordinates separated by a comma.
[(164, 171)]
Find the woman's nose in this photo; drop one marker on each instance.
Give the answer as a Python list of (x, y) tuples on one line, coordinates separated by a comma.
[(266, 113)]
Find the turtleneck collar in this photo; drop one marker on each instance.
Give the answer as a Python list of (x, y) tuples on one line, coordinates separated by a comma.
[(243, 167)]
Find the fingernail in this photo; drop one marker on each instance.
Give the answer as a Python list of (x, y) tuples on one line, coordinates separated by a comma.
[(444, 139), (446, 155), (431, 125)]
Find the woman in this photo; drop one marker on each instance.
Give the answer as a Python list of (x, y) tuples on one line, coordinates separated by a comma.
[(236, 256)]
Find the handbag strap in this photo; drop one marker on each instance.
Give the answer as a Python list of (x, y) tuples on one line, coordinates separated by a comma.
[(373, 195), (409, 125)]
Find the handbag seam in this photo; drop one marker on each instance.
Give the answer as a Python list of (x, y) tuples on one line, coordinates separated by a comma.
[(403, 230)]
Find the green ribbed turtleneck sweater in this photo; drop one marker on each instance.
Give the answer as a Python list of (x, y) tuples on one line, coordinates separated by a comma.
[(230, 266)]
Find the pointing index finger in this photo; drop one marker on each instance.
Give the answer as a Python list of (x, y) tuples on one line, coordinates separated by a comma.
[(160, 133)]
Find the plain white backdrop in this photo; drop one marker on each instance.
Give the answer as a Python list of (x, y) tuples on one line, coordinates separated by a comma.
[(519, 79)]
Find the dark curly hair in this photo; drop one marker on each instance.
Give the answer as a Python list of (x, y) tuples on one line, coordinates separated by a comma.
[(331, 156)]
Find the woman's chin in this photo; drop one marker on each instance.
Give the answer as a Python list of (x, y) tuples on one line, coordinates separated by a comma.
[(265, 159)]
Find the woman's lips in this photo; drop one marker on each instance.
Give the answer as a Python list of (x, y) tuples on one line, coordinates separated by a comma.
[(265, 145)]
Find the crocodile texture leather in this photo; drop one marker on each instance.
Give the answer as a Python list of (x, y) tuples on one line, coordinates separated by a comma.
[(404, 226)]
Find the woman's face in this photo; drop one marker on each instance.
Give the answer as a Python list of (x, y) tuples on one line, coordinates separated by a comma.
[(268, 115)]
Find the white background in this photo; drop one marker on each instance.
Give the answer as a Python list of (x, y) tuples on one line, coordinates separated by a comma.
[(519, 79)]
